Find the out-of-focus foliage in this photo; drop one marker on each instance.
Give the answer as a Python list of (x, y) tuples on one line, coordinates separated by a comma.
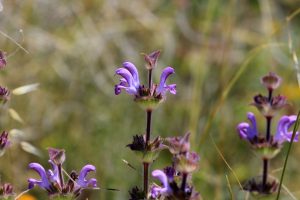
[(74, 48)]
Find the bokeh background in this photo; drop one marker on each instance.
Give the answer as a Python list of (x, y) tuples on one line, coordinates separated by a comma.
[(219, 50)]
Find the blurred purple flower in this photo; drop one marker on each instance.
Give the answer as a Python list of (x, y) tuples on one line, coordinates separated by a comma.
[(247, 131), (283, 134), (4, 142), (165, 190), (4, 94), (2, 58)]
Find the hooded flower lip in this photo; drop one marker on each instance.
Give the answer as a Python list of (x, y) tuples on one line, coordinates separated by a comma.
[(165, 190), (130, 79), (82, 182), (2, 60), (44, 183), (283, 134), (163, 87), (247, 131)]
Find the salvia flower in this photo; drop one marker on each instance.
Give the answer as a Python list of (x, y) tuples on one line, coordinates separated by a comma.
[(4, 94), (2, 60), (165, 189), (170, 189), (248, 131), (6, 191), (148, 97), (283, 134), (4, 142), (52, 180)]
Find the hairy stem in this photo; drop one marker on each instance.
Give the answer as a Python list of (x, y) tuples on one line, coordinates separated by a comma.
[(148, 129), (146, 165)]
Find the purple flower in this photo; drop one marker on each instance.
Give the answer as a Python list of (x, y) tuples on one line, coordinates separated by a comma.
[(4, 140), (2, 60), (4, 94), (131, 84), (283, 134), (163, 87), (48, 179), (165, 190), (130, 79), (82, 182), (247, 131), (6, 190)]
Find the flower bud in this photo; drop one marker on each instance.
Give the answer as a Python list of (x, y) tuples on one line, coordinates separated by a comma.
[(271, 81)]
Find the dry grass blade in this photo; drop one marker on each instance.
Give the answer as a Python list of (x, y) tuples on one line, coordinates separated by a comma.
[(229, 188), (227, 164)]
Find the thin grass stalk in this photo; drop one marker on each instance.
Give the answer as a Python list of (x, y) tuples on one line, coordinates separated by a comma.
[(296, 126)]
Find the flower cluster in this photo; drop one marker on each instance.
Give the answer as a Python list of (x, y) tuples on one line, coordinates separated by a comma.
[(6, 189), (175, 179), (52, 180), (149, 96), (268, 145)]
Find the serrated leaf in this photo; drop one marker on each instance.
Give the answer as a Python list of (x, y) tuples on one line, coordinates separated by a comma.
[(29, 148), (15, 115), (25, 89)]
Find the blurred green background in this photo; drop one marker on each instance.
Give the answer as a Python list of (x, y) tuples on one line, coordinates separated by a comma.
[(219, 50)]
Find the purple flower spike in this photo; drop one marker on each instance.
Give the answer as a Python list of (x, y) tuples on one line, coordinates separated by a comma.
[(283, 134), (44, 182), (157, 191), (163, 87), (247, 131), (82, 182), (130, 79)]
